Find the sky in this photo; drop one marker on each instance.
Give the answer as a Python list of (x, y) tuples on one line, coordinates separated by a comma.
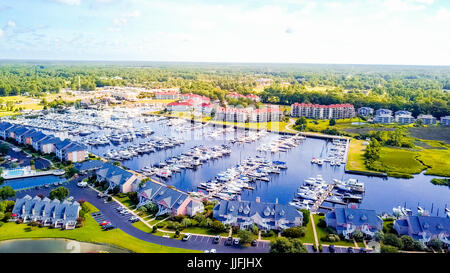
[(411, 32)]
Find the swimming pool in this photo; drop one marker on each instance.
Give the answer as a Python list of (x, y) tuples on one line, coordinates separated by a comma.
[(31, 182), (14, 172)]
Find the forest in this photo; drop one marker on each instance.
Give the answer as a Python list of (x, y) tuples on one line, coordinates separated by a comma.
[(419, 89)]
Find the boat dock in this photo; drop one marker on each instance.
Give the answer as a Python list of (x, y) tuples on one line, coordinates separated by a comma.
[(287, 142), (224, 185), (322, 198)]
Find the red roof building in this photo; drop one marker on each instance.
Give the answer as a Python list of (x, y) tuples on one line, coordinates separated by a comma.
[(317, 111)]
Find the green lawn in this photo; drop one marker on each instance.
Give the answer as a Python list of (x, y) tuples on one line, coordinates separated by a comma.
[(355, 160), (91, 233), (321, 232), (402, 161), (437, 160)]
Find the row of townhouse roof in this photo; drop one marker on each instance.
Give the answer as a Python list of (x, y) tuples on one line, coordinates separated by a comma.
[(167, 199), (267, 216), (48, 212), (235, 95), (423, 228), (65, 150), (235, 114), (401, 116), (317, 111)]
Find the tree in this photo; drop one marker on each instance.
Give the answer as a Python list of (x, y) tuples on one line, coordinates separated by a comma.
[(7, 192), (332, 122), (388, 249), (294, 232), (378, 236), (217, 226), (134, 198), (358, 236), (285, 245), (4, 148), (71, 171), (301, 123), (436, 244), (245, 236), (408, 243), (59, 193), (392, 240), (305, 213)]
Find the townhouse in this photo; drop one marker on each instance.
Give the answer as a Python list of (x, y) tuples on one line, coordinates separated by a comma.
[(47, 212), (424, 228), (169, 200), (365, 111), (445, 121), (267, 216), (348, 220), (427, 119), (116, 177)]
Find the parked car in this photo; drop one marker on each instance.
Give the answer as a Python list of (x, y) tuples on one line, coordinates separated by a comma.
[(134, 219), (205, 251), (350, 250), (254, 243), (331, 249), (187, 236), (108, 226), (216, 239), (236, 241), (82, 184), (213, 250), (104, 223), (363, 250), (229, 241)]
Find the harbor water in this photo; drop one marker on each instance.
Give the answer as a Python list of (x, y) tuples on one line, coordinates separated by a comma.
[(382, 194)]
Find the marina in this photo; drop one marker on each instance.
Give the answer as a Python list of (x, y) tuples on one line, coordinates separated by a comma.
[(146, 141)]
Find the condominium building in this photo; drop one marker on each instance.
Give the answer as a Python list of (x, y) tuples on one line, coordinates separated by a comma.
[(316, 111), (427, 119)]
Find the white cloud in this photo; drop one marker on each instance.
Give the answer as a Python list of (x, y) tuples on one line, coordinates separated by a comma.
[(11, 23), (69, 2), (1, 32)]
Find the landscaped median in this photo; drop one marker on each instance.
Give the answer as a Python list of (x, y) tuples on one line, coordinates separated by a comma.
[(90, 232)]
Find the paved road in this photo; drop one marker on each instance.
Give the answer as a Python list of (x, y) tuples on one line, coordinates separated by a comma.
[(196, 242)]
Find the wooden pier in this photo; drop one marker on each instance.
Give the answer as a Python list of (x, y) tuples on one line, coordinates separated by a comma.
[(322, 198)]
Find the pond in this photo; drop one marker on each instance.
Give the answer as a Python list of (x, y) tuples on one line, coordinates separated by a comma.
[(55, 246)]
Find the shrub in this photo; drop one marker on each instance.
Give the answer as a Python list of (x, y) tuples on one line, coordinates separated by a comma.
[(217, 226), (358, 236), (322, 223), (388, 249), (294, 232), (392, 240), (154, 229)]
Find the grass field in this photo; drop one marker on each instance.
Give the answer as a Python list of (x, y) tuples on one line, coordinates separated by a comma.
[(91, 233), (355, 160), (402, 161), (428, 154)]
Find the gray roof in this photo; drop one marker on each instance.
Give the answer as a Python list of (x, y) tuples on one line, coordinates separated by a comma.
[(266, 212), (46, 208), (162, 195), (114, 174)]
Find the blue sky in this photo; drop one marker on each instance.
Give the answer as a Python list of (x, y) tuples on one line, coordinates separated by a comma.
[(293, 31)]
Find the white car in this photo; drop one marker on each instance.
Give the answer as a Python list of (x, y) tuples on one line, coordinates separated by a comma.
[(82, 184), (213, 250)]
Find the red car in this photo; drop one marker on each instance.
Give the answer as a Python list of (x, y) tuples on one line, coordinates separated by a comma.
[(104, 223)]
